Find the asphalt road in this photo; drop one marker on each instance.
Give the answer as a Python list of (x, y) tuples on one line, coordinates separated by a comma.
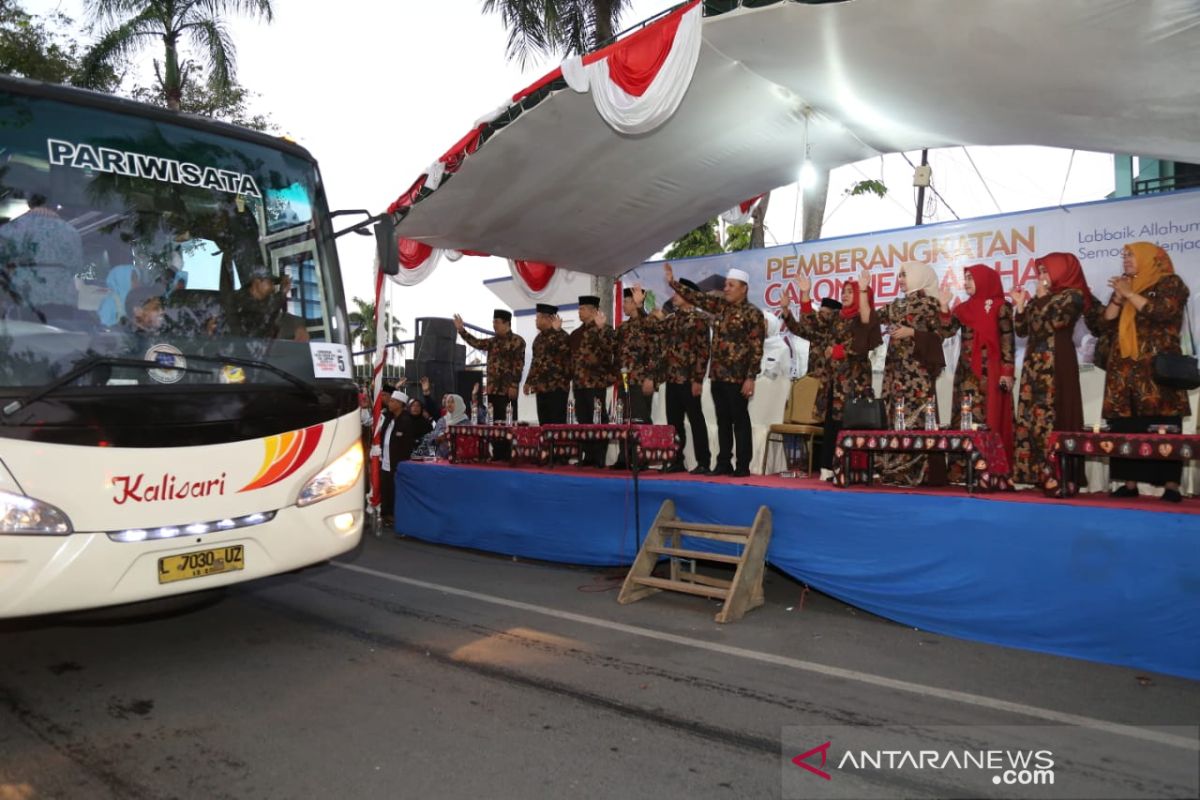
[(408, 670)]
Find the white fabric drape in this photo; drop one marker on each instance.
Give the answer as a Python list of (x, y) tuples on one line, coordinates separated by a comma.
[(414, 275), (631, 115)]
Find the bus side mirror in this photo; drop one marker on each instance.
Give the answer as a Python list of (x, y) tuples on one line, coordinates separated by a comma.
[(386, 246)]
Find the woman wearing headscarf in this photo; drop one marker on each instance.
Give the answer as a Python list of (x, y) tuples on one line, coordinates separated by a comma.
[(986, 355), (454, 413), (914, 360), (847, 342), (1049, 399), (1144, 317)]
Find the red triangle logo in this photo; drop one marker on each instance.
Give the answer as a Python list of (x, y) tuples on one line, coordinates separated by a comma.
[(823, 749)]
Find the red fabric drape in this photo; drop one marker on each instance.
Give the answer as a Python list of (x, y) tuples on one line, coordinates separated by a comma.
[(535, 274), (468, 144), (413, 253), (634, 61), (408, 198), (538, 84)]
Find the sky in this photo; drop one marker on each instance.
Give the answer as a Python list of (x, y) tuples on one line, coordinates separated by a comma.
[(376, 91)]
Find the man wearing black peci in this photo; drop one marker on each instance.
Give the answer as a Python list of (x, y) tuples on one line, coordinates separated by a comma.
[(593, 348), (505, 363), (550, 370)]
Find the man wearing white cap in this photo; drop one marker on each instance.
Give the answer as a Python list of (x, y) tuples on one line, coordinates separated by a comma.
[(737, 348)]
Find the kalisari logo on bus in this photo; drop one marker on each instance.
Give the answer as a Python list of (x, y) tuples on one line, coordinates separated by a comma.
[(136, 489), (155, 168)]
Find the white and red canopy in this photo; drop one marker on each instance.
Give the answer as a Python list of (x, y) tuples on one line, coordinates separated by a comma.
[(598, 165)]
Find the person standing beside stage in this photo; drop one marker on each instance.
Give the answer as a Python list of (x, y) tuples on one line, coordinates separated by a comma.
[(986, 356), (505, 363), (550, 370), (684, 348), (1049, 398), (737, 349), (1144, 317), (593, 348), (910, 371), (848, 342)]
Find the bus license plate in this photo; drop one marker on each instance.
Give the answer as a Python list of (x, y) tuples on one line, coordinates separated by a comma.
[(201, 563)]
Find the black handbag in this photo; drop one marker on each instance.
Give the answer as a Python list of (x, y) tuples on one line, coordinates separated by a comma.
[(1176, 370), (863, 414)]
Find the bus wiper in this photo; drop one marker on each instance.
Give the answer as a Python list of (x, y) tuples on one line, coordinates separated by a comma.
[(81, 370), (254, 363)]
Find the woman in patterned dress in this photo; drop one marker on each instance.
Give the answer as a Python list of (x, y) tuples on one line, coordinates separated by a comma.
[(986, 358), (1144, 317), (849, 343), (914, 359), (1049, 399)]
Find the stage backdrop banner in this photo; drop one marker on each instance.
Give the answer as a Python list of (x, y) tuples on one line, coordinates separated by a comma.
[(1094, 232)]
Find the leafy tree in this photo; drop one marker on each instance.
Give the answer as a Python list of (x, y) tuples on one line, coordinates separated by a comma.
[(228, 104), (34, 46), (128, 25), (737, 237), (701, 241)]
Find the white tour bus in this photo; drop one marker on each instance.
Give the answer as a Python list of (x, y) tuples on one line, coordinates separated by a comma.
[(177, 410)]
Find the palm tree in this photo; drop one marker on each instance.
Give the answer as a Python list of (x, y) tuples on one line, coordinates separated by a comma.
[(130, 24), (556, 27), (362, 326)]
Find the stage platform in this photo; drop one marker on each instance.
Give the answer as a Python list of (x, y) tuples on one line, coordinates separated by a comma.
[(1088, 577)]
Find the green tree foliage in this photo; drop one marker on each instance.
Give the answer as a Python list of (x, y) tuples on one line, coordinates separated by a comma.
[(129, 25), (228, 104), (35, 47), (737, 237), (701, 241), (539, 28), (362, 325)]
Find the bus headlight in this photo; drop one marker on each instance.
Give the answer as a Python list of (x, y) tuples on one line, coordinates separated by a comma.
[(338, 477), (21, 514)]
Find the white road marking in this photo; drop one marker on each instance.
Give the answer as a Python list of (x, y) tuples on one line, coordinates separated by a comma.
[(919, 689)]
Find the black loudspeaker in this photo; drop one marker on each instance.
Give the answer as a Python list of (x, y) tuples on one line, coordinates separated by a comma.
[(465, 382), (436, 340)]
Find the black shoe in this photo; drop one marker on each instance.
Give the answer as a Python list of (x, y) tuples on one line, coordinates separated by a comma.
[(722, 470), (619, 465), (1124, 491), (1172, 496), (741, 472), (700, 469), (667, 468)]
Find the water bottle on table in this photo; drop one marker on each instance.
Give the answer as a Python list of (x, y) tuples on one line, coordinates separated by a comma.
[(966, 412), (931, 420), (900, 422)]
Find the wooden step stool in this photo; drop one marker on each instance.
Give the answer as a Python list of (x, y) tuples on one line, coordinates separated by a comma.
[(741, 594)]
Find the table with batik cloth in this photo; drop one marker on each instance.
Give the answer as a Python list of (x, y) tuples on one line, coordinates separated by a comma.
[(655, 443), (1062, 446), (466, 441), (987, 461)]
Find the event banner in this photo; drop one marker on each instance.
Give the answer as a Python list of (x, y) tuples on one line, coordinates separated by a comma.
[(1094, 232)]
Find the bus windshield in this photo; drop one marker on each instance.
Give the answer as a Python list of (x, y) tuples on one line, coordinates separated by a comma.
[(125, 239)]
